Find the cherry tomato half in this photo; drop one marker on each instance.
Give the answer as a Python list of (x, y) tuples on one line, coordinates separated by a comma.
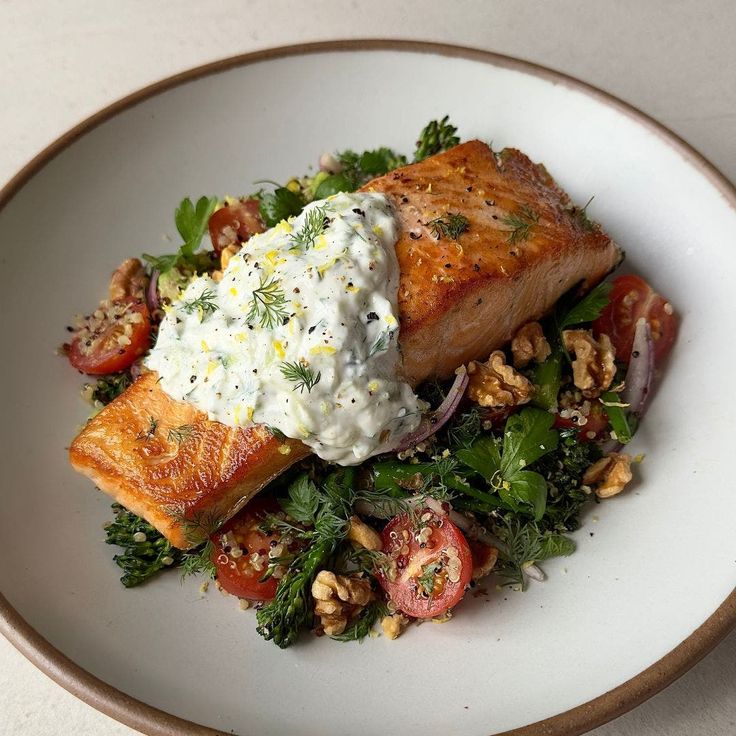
[(235, 223), (241, 552), (631, 299), (111, 338), (430, 563), (597, 422)]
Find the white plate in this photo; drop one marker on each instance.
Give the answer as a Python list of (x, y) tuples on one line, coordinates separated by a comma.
[(652, 566)]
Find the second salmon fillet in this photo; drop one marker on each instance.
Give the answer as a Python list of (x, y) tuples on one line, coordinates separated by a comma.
[(487, 243)]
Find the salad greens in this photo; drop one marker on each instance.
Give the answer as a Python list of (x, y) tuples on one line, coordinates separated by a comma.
[(517, 477)]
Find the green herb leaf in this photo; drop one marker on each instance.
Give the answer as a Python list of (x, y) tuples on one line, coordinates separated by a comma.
[(180, 434), (314, 225), (204, 304), (436, 136), (268, 306), (529, 488), (589, 308), (191, 222), (452, 226), (107, 388), (483, 456), (361, 626), (281, 204), (527, 436), (521, 223), (303, 500), (333, 184), (301, 375)]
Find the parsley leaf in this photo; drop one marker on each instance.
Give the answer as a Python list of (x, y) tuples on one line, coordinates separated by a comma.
[(527, 436), (303, 500), (589, 308), (191, 221), (281, 204)]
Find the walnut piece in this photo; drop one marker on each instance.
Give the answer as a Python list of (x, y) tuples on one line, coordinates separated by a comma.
[(128, 281), (364, 535), (338, 598), (393, 625), (529, 344), (495, 384), (483, 565), (593, 368), (609, 475)]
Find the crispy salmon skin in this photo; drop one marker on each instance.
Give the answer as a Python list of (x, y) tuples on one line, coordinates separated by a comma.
[(165, 461), (520, 246), (487, 242)]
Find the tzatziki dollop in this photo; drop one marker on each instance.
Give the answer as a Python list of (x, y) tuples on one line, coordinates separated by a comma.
[(300, 334)]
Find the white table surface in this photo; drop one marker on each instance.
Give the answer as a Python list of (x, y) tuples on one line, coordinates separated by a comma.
[(62, 60)]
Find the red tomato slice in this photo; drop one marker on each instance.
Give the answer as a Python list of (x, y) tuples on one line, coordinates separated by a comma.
[(235, 223), (430, 563), (112, 338), (632, 298), (241, 551), (596, 423)]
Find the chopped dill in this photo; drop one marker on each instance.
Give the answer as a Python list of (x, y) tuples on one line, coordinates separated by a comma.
[(268, 307), (521, 223), (204, 304), (452, 226), (180, 434), (150, 432), (315, 222), (301, 375)]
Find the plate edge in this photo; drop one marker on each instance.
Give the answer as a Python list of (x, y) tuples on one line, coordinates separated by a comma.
[(578, 720)]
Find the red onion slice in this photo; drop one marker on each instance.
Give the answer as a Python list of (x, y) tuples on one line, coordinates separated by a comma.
[(434, 421), (152, 292), (638, 381)]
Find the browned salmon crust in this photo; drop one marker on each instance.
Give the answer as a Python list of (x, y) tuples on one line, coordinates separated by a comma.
[(459, 299), (186, 482)]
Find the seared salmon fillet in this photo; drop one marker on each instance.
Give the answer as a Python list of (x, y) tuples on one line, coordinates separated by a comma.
[(523, 246), (181, 472), (487, 243)]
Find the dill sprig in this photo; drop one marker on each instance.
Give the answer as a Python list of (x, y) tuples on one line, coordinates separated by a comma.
[(381, 344), (452, 226), (301, 375), (204, 304), (148, 434), (315, 222), (268, 307), (198, 561), (521, 223), (180, 434)]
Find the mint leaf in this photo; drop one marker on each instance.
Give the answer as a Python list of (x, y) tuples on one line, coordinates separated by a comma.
[(589, 308)]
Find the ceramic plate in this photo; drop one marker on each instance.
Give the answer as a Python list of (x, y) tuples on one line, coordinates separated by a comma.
[(653, 565)]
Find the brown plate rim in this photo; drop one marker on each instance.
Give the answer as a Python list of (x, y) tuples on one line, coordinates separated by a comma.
[(578, 720)]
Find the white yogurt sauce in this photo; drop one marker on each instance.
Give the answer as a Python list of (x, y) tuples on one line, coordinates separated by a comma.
[(300, 334)]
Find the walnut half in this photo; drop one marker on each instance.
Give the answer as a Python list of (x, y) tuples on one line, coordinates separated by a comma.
[(128, 281), (609, 475), (593, 368), (529, 344), (495, 384), (339, 598)]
